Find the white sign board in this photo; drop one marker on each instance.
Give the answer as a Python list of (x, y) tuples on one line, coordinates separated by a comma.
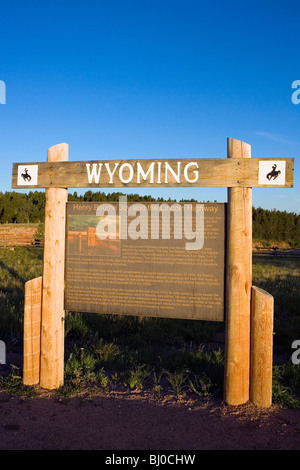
[(28, 175), (272, 172)]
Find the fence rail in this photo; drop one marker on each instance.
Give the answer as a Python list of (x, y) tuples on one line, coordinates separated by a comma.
[(7, 241), (26, 242), (275, 251)]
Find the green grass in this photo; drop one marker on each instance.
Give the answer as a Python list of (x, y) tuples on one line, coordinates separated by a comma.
[(12, 384), (17, 266), (105, 352), (281, 278)]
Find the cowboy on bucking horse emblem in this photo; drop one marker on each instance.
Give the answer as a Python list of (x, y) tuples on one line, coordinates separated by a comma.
[(274, 173), (26, 176)]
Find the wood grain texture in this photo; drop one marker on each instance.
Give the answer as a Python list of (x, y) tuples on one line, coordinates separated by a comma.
[(262, 312), (32, 331), (238, 285), (52, 331), (210, 172)]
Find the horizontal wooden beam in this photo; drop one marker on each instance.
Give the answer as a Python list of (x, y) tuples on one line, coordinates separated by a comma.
[(205, 172)]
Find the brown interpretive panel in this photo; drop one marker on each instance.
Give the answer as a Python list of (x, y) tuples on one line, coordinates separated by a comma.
[(146, 259)]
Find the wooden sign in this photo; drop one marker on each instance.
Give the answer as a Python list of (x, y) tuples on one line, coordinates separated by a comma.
[(116, 260), (168, 262), (211, 172)]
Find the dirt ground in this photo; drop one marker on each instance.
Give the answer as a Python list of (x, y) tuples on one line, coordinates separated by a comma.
[(138, 421)]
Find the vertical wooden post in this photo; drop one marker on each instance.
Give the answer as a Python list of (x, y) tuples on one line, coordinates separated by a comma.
[(32, 331), (52, 330), (238, 285), (262, 309)]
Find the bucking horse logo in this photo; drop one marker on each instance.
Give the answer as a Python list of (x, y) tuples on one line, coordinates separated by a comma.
[(26, 176), (274, 173)]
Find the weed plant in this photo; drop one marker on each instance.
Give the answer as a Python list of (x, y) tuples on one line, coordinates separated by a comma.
[(12, 384)]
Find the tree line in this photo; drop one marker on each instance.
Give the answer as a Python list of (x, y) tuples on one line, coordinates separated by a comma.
[(30, 208)]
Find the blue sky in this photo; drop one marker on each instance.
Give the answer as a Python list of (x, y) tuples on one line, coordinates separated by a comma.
[(151, 79)]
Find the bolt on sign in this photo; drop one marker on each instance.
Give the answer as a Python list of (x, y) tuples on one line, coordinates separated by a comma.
[(146, 259)]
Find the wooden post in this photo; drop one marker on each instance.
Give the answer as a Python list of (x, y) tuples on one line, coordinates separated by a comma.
[(238, 285), (262, 309), (52, 330), (32, 331)]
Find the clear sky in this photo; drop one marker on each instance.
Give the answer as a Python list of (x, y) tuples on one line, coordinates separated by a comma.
[(151, 79)]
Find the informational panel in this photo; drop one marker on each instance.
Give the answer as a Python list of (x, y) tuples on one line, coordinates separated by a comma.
[(146, 259)]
